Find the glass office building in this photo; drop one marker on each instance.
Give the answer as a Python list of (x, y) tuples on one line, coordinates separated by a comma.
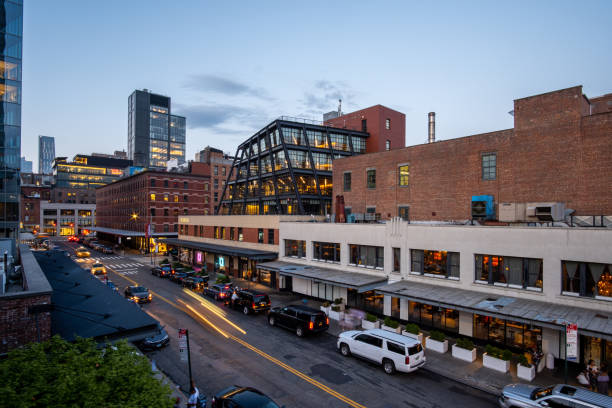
[(46, 154), (154, 134), (11, 18), (286, 168)]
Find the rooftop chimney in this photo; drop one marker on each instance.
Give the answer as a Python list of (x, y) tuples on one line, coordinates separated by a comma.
[(339, 107), (431, 134)]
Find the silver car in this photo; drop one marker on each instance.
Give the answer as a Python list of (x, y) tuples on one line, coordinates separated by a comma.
[(555, 396)]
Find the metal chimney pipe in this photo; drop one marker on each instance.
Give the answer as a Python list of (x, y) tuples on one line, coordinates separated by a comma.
[(431, 134)]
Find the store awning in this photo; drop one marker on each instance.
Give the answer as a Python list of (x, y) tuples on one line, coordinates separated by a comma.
[(128, 233), (352, 280), (253, 254), (555, 316)]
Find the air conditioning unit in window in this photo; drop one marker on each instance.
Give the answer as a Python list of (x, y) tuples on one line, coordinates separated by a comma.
[(545, 211)]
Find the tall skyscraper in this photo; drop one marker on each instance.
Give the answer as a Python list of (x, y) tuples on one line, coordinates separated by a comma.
[(46, 154), (26, 165), (154, 134), (11, 28)]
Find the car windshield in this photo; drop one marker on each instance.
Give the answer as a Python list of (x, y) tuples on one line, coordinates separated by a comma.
[(541, 393), (261, 298), (98, 265), (138, 289)]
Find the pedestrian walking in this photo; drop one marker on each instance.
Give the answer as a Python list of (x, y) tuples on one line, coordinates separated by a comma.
[(593, 371), (603, 379), (194, 395)]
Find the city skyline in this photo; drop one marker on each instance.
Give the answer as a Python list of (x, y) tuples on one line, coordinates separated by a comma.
[(466, 63)]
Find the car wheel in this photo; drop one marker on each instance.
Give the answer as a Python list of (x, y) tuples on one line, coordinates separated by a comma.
[(245, 310), (299, 331), (345, 350), (271, 321), (388, 366)]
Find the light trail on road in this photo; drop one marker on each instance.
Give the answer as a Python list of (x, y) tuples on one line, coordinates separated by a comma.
[(189, 310)]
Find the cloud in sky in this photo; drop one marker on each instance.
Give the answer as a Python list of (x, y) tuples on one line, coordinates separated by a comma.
[(213, 116), (326, 95), (221, 85)]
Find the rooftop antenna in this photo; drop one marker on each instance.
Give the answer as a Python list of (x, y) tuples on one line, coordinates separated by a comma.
[(339, 107)]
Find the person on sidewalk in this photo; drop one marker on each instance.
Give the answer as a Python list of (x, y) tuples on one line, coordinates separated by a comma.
[(194, 395), (592, 370), (603, 379)]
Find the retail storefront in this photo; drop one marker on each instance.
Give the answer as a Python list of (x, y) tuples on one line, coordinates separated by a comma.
[(232, 261), (153, 244)]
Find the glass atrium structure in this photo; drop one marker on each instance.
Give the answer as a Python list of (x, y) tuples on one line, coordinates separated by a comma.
[(286, 168)]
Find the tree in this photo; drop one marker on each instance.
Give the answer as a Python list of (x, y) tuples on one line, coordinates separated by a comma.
[(57, 373)]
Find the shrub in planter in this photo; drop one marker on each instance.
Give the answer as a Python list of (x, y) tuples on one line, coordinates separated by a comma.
[(325, 304), (437, 336), (524, 370), (465, 343), (391, 323), (370, 322), (413, 328), (497, 359), (338, 301), (437, 342), (506, 355), (522, 360), (370, 317), (464, 350), (221, 278), (336, 308)]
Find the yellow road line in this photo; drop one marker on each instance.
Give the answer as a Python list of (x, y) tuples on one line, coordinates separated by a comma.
[(263, 354)]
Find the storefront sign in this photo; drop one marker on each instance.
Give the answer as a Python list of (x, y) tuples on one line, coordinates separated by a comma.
[(571, 341), (221, 262), (182, 342), (199, 257)]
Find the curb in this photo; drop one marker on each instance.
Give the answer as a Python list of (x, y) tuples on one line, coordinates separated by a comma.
[(470, 384)]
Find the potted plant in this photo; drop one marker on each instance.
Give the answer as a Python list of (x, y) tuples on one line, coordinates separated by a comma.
[(412, 330), (221, 278), (338, 302), (370, 322), (524, 370), (391, 325), (496, 359), (325, 307), (464, 350), (336, 312), (436, 341)]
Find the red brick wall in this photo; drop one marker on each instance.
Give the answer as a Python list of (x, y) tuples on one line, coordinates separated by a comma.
[(553, 155), (376, 117), (17, 326)]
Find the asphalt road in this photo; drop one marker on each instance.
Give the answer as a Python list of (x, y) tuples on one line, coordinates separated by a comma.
[(229, 348)]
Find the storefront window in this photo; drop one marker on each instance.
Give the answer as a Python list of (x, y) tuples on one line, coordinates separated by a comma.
[(435, 263), (395, 307), (396, 259), (587, 279), (367, 256), (514, 272), (434, 316), (506, 332), (295, 248), (326, 251)]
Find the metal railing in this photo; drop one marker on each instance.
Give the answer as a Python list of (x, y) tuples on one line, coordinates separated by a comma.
[(300, 120)]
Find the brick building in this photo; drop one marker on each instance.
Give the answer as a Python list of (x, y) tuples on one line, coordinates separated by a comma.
[(34, 188), (560, 150), (387, 127), (217, 165), (126, 206)]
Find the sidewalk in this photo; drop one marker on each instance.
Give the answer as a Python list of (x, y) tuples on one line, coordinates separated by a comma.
[(176, 389)]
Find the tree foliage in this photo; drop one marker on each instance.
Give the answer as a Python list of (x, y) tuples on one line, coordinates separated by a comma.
[(57, 373)]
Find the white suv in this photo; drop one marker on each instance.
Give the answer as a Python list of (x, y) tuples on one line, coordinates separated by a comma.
[(392, 350)]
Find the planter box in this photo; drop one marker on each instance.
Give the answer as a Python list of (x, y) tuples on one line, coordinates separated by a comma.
[(341, 306), (526, 373), (495, 363), (437, 346), (326, 309), (463, 354), (370, 325), (391, 329), (418, 337), (336, 315)]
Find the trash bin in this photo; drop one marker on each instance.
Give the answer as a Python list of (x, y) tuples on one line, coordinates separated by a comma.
[(550, 361)]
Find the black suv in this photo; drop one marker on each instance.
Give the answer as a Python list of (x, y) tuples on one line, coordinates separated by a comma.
[(299, 318), (251, 301), (242, 397), (220, 291)]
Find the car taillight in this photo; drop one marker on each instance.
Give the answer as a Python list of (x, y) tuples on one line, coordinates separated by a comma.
[(327, 320), (407, 360), (311, 325), (253, 305)]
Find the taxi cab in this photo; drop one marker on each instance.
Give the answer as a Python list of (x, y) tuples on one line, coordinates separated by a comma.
[(98, 268), (82, 252)]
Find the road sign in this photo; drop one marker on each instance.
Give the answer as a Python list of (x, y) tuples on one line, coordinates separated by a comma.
[(571, 341), (182, 341)]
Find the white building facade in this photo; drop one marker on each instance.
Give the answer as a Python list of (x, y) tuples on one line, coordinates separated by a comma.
[(61, 219)]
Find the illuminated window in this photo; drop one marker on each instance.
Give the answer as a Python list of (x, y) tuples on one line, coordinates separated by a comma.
[(152, 197), (165, 197), (175, 198), (371, 178), (404, 175)]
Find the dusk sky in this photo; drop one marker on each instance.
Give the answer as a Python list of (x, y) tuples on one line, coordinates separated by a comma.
[(232, 67)]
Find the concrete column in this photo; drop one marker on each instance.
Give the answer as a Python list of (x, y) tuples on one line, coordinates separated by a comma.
[(309, 250), (404, 304), (551, 340), (387, 306), (466, 324)]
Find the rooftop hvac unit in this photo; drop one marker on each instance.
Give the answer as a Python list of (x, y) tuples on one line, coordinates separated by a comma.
[(511, 212), (483, 207), (545, 212)]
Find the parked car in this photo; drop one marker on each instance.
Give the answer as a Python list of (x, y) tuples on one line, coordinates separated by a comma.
[(195, 282), (560, 395), (138, 294), (179, 276), (98, 268), (157, 341), (82, 252), (299, 318), (157, 271), (242, 397), (219, 291), (106, 249), (73, 238), (251, 301), (393, 351)]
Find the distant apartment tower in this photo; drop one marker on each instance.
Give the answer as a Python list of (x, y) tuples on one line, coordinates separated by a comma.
[(26, 165), (46, 154), (10, 57), (154, 134), (217, 165)]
